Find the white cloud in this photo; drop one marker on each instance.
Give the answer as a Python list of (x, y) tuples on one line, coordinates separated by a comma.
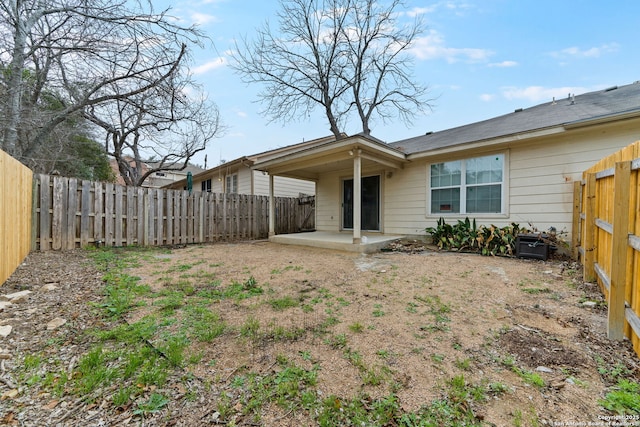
[(203, 18), (242, 114), (432, 46), (593, 52), (540, 93), (416, 11), (210, 65), (487, 97), (504, 64)]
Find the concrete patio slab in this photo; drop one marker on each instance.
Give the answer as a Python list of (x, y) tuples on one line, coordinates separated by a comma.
[(339, 241)]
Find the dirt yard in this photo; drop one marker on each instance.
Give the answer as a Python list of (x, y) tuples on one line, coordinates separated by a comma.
[(529, 337)]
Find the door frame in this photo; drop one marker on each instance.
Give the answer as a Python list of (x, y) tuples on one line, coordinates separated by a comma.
[(342, 202)]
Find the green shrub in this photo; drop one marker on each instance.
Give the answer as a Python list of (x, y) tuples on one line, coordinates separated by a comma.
[(467, 236)]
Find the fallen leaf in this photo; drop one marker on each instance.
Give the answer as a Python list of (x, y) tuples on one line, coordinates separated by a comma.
[(52, 404), (9, 394)]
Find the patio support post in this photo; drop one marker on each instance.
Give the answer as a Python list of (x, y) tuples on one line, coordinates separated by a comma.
[(357, 196), (272, 208)]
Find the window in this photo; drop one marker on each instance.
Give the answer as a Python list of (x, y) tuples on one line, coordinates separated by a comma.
[(468, 186), (206, 185), (232, 183), (161, 174)]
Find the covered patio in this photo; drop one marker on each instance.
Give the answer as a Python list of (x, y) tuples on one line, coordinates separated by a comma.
[(349, 174)]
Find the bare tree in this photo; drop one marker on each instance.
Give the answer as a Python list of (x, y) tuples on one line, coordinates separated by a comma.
[(79, 50), (379, 65), (339, 55), (162, 123)]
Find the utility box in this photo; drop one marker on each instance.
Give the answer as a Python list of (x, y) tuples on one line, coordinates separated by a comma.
[(532, 246)]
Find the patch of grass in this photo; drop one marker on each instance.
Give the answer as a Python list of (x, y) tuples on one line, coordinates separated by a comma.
[(203, 324), (174, 349), (536, 291), (155, 403), (377, 311), (281, 333), (281, 304), (122, 397), (305, 354), (464, 364), (291, 389), (359, 411), (624, 399), (250, 327), (337, 341), (94, 371), (356, 327), (412, 307), (437, 358), (612, 374), (384, 354), (454, 408), (529, 377)]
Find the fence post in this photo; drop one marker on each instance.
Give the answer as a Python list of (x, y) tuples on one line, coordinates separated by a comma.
[(34, 212), (589, 241), (619, 250), (575, 225)]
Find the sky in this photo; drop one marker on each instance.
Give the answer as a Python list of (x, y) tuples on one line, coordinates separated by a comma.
[(479, 58)]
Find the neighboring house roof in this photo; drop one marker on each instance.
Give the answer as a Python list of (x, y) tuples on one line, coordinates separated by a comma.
[(610, 104), (248, 161), (194, 169), (154, 180)]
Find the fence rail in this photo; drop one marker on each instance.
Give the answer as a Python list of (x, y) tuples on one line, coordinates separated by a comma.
[(71, 213), (15, 214), (607, 241)]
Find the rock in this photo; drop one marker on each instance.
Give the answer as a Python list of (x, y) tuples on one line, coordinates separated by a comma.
[(589, 304), (4, 305), (5, 331), (55, 323), (49, 287), (544, 369), (10, 394), (16, 297), (4, 354)]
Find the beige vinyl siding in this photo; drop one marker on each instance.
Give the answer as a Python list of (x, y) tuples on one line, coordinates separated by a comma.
[(405, 200), (284, 187), (328, 205), (539, 179), (542, 175), (244, 180), (260, 183), (289, 187)]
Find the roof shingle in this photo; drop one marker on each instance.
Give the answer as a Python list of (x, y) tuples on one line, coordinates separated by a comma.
[(592, 105)]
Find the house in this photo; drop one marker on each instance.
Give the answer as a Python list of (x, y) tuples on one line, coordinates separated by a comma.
[(519, 167), (237, 176), (156, 179)]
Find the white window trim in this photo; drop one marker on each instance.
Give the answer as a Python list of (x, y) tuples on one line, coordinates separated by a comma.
[(226, 186), (504, 202)]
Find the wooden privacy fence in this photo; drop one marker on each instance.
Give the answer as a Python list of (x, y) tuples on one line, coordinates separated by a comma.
[(71, 213), (15, 214), (607, 220)]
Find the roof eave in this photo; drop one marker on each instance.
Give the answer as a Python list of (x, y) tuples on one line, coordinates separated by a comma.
[(326, 147), (632, 114)]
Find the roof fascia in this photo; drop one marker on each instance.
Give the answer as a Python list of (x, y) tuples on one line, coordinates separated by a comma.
[(603, 119), (332, 146)]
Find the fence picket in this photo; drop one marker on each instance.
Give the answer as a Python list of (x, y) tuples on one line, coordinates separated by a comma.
[(609, 223), (71, 213)]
